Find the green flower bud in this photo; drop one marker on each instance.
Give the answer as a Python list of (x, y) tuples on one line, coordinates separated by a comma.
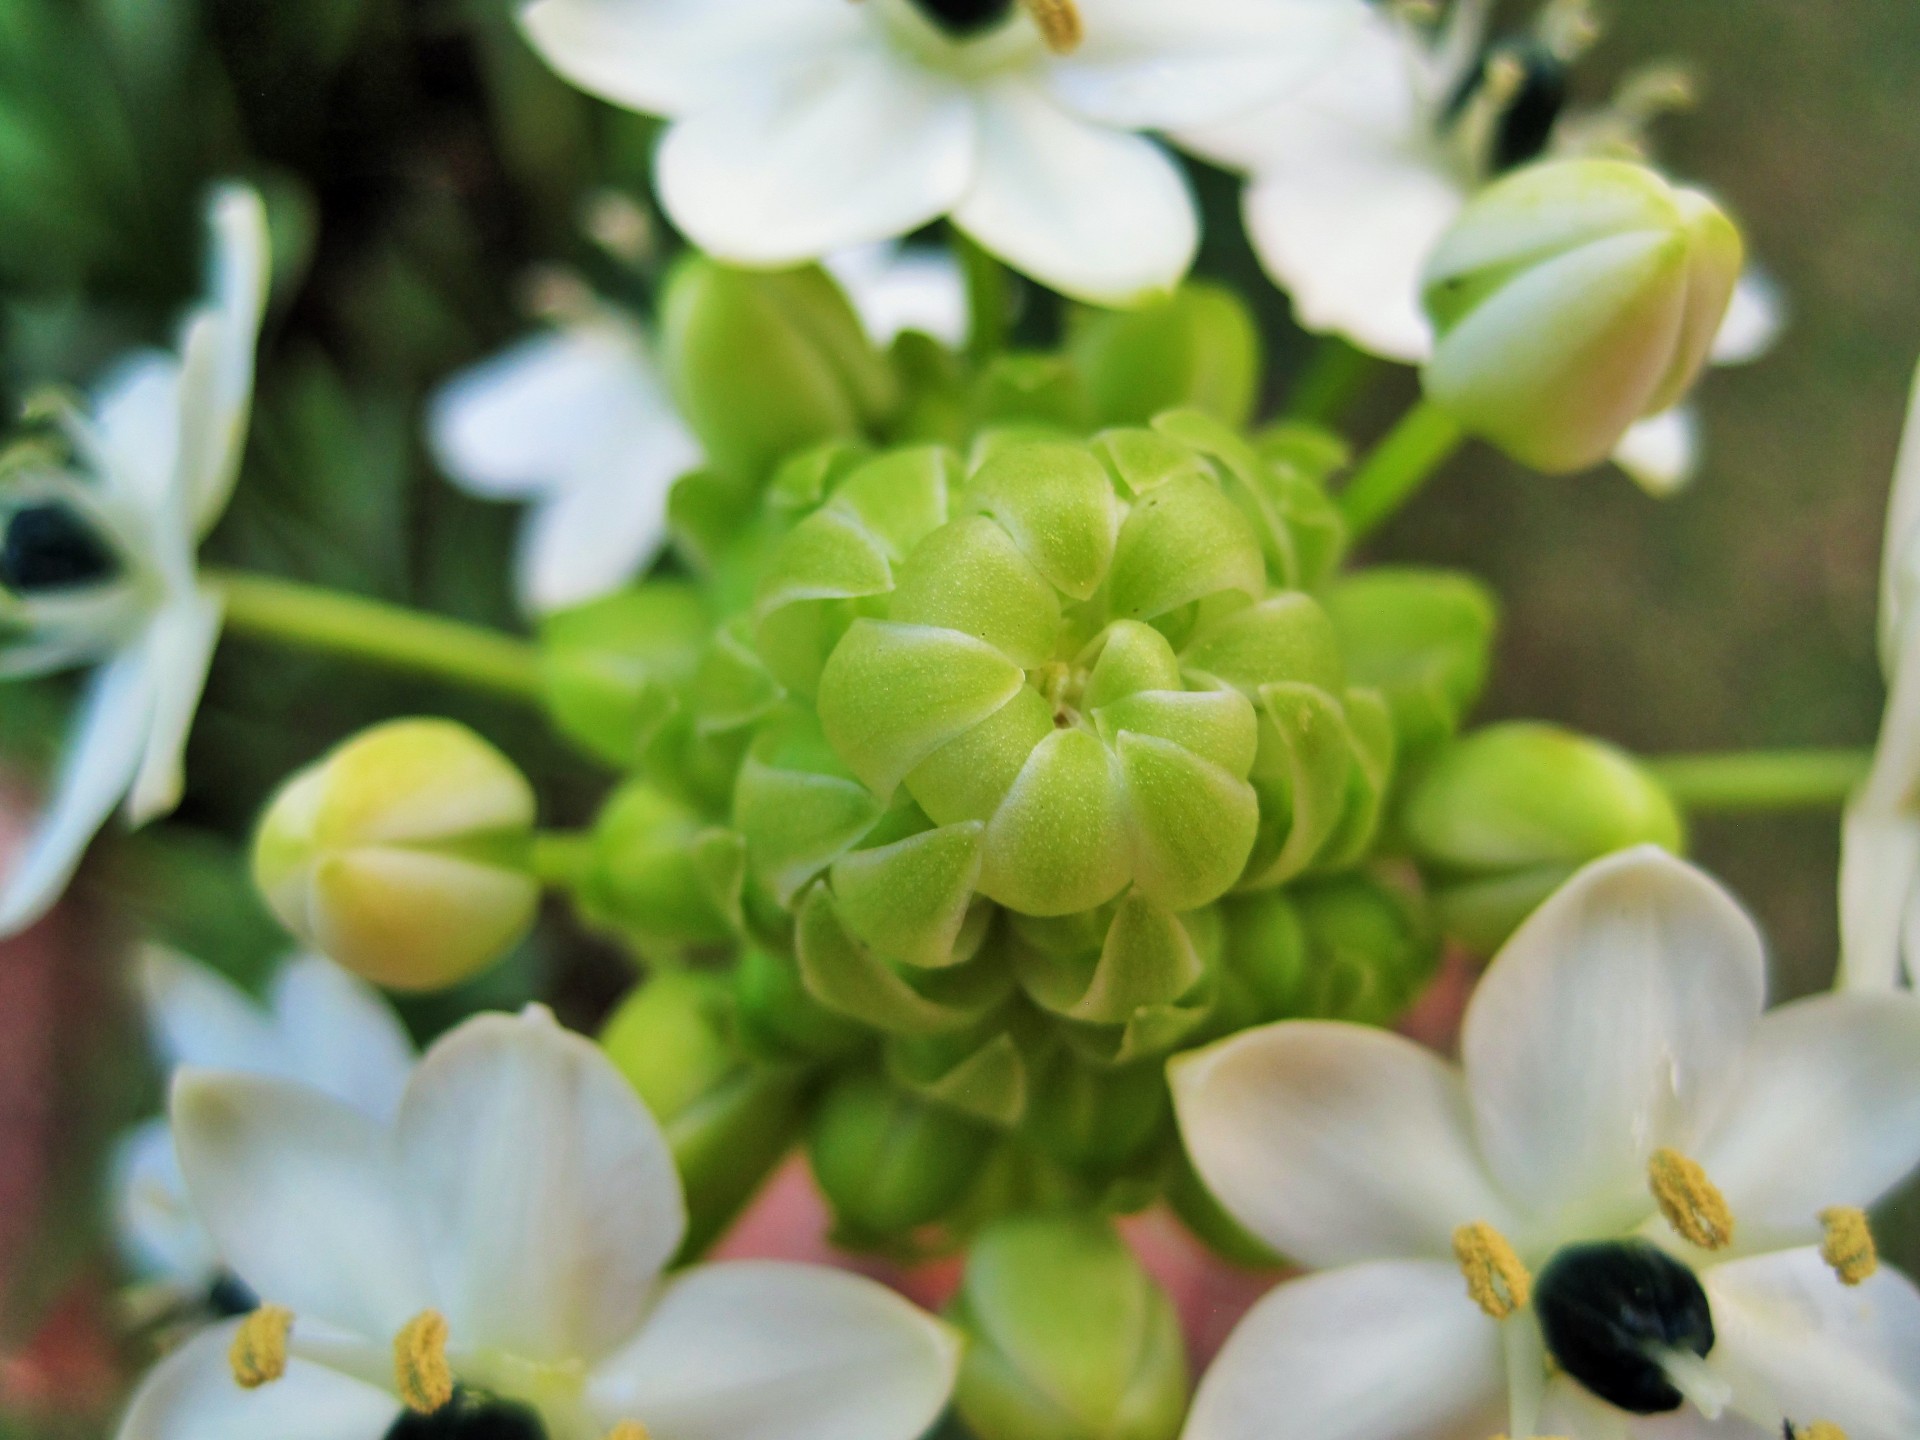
[(1069, 1337), (779, 1020), (1507, 814), (403, 854), (1572, 299), (727, 1120), (763, 363), (1198, 348), (1424, 639), (890, 1162), (1098, 1121), (615, 669), (1043, 391), (662, 876), (1346, 948), (982, 1072)]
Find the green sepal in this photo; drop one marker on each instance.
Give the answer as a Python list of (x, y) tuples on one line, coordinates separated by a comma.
[(1369, 726), (1194, 823), (1302, 776), (613, 670), (1141, 460), (1198, 347), (779, 1020), (797, 805), (889, 1161), (851, 980), (660, 875), (971, 577), (1031, 390), (706, 512), (732, 688), (1283, 638), (1348, 948), (1424, 639), (1057, 503), (1099, 1122), (1060, 841), (909, 900), (1182, 541), (985, 1079)]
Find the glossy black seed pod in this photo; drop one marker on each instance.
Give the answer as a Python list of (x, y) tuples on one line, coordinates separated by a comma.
[(965, 17), (49, 547), (470, 1417), (1606, 1310)]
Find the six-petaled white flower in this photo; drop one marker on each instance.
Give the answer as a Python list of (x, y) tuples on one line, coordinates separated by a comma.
[(499, 1249), (97, 568), (1654, 1191), (803, 126)]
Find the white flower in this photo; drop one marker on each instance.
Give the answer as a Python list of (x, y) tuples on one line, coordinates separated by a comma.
[(501, 1243), (320, 1026), (1621, 1088), (1880, 841), (804, 126), (98, 568), (898, 287), (1357, 175)]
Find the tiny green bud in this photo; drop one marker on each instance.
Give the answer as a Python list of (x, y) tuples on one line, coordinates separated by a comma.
[(614, 669), (1504, 816), (1572, 299), (763, 363), (1196, 349), (1027, 389), (889, 1161), (1424, 639), (661, 875), (779, 1020), (1097, 1121), (1069, 1337), (403, 854), (1344, 948)]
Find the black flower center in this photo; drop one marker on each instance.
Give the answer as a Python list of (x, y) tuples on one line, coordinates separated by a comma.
[(470, 1417), (49, 547), (1525, 123), (965, 17), (229, 1296), (1609, 1311)]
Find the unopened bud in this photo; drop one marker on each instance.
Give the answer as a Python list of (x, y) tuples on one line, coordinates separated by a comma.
[(889, 1161), (1507, 814), (1423, 639), (1347, 948), (614, 669), (661, 875), (1572, 299), (403, 854), (1196, 349)]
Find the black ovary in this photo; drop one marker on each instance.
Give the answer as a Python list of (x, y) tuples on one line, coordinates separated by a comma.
[(470, 1417), (1605, 1308), (965, 17), (49, 547), (229, 1296), (1526, 125)]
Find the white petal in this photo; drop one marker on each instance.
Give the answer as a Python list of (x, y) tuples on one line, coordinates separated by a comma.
[(95, 771), (1164, 64), (338, 1035), (191, 1395), (1879, 868), (152, 1216), (217, 354), (182, 638), (766, 1350), (548, 1190), (896, 288), (1900, 559), (1391, 1351), (302, 1198), (1611, 1024), (198, 1017), (1334, 1143), (1826, 1112), (1097, 214), (1662, 452), (668, 56), (1798, 1345), (1753, 322), (858, 146), (135, 434)]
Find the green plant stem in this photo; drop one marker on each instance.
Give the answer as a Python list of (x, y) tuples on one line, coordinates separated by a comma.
[(1398, 466), (1762, 780), (989, 305), (560, 858), (1336, 375), (313, 618)]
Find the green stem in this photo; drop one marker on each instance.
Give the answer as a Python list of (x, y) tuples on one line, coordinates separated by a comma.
[(1335, 376), (313, 618), (1760, 780), (989, 306), (1398, 467), (561, 858)]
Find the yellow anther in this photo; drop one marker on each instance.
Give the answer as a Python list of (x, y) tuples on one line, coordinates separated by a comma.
[(1848, 1246), (1819, 1430), (259, 1350), (420, 1369), (1496, 1280), (1693, 1205), (1059, 23), (629, 1430)]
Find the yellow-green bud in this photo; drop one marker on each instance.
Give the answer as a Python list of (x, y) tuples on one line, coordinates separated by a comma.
[(403, 854), (1572, 299), (614, 669), (889, 1161), (1069, 1337), (1196, 349), (1507, 814)]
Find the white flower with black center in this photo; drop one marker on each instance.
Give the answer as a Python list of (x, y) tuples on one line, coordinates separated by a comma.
[(800, 127), (97, 568), (1635, 1213), (490, 1264)]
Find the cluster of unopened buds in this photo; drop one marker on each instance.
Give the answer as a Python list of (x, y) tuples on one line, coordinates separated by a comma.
[(1018, 796)]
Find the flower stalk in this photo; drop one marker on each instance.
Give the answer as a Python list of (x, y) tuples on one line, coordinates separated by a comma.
[(1761, 780), (1398, 467)]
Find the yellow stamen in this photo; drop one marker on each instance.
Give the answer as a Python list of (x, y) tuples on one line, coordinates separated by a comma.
[(1694, 1207), (259, 1350), (1059, 23), (629, 1430), (1848, 1246), (420, 1369), (1496, 1280), (1819, 1430)]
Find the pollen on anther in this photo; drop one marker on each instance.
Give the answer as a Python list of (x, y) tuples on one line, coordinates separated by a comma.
[(1848, 1244), (420, 1369), (258, 1354), (1819, 1430), (1059, 24), (1691, 1202), (1496, 1280), (629, 1430)]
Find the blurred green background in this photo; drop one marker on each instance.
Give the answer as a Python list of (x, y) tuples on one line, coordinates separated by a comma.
[(418, 161)]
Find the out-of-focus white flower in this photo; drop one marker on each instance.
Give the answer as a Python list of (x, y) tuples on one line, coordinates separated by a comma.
[(499, 1247), (901, 287), (804, 126), (97, 568), (1880, 839), (320, 1026), (1636, 1213), (1357, 175)]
